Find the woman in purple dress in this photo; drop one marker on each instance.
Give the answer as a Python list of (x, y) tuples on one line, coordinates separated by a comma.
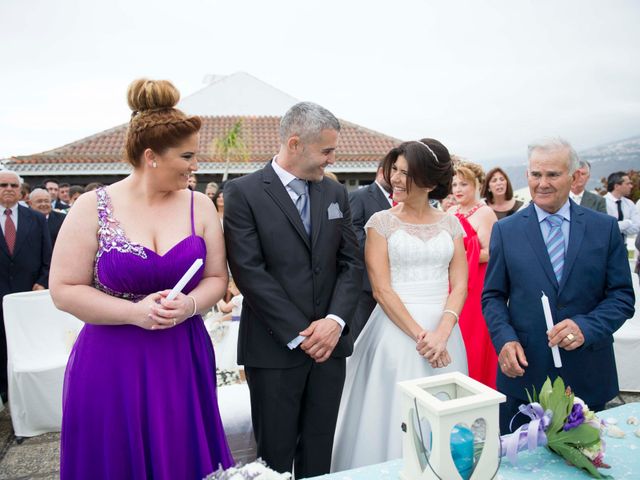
[(139, 397)]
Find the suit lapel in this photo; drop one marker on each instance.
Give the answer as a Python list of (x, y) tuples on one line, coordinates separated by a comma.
[(25, 224), (534, 236), (576, 234), (378, 196), (316, 197), (277, 191)]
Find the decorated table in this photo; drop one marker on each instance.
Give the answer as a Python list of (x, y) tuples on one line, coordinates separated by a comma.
[(623, 454)]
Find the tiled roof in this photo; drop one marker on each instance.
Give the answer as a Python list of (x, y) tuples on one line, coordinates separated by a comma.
[(103, 152)]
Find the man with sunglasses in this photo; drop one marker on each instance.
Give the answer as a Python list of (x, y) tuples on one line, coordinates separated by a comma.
[(25, 254)]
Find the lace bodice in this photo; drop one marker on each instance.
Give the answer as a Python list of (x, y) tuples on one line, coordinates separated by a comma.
[(417, 252)]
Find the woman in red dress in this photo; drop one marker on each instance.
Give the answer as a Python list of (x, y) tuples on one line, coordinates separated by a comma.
[(477, 219)]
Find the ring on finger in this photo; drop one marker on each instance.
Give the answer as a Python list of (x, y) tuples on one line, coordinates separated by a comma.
[(174, 322), (571, 337)]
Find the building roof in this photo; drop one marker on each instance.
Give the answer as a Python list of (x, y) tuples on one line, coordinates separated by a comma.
[(359, 149)]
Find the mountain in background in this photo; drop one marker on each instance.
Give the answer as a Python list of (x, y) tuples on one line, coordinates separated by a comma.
[(623, 155)]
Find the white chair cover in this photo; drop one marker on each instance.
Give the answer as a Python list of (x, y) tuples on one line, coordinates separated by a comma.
[(627, 346), (39, 339)]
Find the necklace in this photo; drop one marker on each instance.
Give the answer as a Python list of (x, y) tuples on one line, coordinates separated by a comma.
[(471, 211)]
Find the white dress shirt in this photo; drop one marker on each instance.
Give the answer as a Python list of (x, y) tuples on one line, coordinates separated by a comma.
[(286, 177), (565, 213), (386, 194), (576, 198), (14, 217), (630, 223)]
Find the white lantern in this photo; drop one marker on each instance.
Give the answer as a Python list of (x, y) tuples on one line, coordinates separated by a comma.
[(452, 404)]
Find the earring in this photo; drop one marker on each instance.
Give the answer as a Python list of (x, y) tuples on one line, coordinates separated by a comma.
[(154, 164)]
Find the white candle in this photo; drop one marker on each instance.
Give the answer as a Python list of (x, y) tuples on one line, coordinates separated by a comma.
[(555, 351), (185, 279)]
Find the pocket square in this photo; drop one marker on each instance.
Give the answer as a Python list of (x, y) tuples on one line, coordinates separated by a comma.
[(334, 211)]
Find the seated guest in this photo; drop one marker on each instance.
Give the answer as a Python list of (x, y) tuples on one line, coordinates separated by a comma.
[(498, 193), (581, 196), (576, 257), (234, 305), (41, 201), (218, 201)]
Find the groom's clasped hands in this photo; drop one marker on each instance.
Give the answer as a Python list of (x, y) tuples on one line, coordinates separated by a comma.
[(322, 337), (433, 346)]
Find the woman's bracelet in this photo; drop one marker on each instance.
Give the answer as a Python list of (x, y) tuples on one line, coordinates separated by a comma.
[(195, 305), (456, 316)]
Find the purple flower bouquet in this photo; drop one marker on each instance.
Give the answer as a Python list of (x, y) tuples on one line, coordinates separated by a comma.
[(564, 424)]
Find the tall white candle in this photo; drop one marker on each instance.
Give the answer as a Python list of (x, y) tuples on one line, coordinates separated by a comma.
[(185, 279), (555, 351)]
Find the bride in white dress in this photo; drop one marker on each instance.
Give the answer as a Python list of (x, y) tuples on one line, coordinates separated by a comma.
[(418, 271)]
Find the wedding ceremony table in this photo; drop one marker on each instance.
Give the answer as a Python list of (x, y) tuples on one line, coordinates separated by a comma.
[(623, 454)]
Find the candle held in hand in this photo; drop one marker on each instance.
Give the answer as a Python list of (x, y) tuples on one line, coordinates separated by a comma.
[(555, 351)]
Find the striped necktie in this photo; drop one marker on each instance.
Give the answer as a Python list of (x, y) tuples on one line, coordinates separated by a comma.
[(555, 244)]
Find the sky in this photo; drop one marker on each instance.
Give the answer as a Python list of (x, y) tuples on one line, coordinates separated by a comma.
[(485, 77)]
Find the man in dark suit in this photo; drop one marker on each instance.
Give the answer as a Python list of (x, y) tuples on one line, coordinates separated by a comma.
[(25, 254), (53, 187), (576, 257), (40, 200), (365, 202), (581, 196), (294, 256)]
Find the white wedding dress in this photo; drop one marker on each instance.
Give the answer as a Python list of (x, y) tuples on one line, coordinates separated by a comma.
[(368, 429)]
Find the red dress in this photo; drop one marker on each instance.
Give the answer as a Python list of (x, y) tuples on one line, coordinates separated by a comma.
[(481, 356)]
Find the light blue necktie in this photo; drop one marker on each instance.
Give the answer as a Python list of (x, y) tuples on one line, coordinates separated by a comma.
[(555, 244), (302, 202)]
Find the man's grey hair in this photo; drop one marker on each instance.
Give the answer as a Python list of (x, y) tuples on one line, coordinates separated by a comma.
[(39, 191), (584, 164), (307, 120), (11, 172), (556, 143)]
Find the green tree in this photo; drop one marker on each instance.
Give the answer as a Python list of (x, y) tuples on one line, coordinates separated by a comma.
[(231, 146)]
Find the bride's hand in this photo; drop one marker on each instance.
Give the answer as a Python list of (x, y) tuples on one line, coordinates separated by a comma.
[(432, 346)]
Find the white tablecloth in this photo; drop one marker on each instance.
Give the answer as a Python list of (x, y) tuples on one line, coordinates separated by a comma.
[(627, 346)]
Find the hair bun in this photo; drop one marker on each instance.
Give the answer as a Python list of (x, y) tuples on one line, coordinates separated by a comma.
[(144, 94)]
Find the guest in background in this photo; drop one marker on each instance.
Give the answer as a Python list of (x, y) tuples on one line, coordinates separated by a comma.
[(25, 190), (140, 396), (234, 305), (74, 192), (447, 202), (477, 219), (332, 176), (619, 187), (581, 196), (218, 201), (92, 186), (365, 202), (41, 201), (53, 187), (211, 189), (192, 183), (25, 254), (63, 193), (576, 257), (498, 193)]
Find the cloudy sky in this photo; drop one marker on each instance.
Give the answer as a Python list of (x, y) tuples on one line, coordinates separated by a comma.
[(482, 76)]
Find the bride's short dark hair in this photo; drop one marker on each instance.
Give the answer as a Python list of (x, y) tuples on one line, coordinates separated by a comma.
[(429, 166)]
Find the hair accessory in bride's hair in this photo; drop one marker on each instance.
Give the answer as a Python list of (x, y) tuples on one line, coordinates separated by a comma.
[(431, 151)]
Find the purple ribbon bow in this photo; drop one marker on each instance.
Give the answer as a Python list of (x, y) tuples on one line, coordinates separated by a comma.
[(530, 436)]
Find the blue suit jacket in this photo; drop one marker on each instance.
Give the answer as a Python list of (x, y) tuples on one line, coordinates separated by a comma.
[(595, 291)]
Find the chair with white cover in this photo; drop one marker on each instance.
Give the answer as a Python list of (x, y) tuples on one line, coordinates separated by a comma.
[(39, 340)]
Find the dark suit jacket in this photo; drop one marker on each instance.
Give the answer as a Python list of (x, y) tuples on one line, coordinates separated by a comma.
[(594, 202), (31, 257), (60, 205), (288, 280), (54, 222), (595, 291), (364, 203)]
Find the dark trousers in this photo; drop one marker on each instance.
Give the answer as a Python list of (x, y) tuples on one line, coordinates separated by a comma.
[(365, 306), (509, 408), (294, 413)]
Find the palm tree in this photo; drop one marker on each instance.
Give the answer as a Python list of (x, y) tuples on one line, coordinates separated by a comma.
[(231, 145)]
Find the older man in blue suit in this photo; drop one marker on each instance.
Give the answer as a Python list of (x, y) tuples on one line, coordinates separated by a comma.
[(576, 257)]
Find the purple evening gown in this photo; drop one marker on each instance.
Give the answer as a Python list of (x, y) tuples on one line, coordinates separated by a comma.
[(141, 404)]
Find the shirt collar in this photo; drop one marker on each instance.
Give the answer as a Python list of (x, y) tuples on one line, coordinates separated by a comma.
[(284, 176), (384, 192), (565, 212), (14, 210)]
